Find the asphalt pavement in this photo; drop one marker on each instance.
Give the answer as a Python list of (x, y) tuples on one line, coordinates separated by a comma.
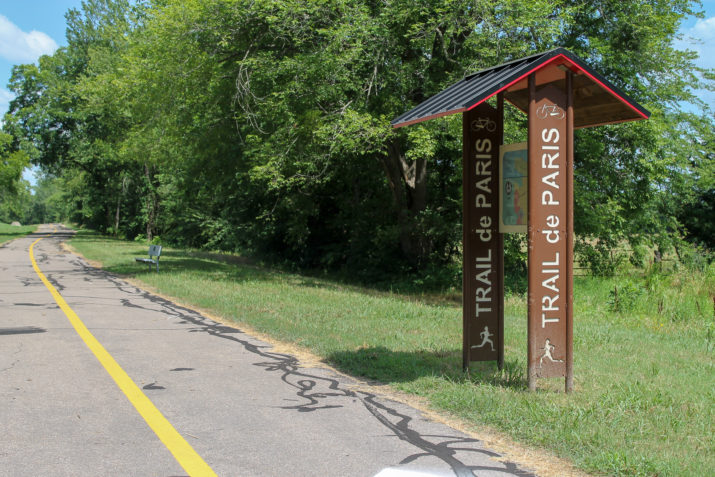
[(244, 408)]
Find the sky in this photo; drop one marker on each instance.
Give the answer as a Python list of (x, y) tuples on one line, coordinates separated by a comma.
[(31, 28)]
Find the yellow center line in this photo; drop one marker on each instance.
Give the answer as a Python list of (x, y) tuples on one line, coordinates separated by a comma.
[(184, 454)]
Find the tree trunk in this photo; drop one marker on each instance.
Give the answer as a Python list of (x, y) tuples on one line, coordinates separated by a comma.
[(408, 183), (116, 216), (152, 204), (122, 191)]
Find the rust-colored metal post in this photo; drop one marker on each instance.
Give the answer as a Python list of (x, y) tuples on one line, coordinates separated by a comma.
[(547, 232), (569, 230), (500, 242), (467, 308), (482, 294)]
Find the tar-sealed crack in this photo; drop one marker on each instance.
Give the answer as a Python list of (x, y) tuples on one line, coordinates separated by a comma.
[(12, 365), (314, 391)]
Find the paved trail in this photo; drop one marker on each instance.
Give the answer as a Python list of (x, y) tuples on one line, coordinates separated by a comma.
[(235, 407)]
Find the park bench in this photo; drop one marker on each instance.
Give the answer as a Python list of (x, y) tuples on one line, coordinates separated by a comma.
[(154, 254)]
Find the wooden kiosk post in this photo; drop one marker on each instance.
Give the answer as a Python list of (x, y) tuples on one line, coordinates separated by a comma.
[(559, 92)]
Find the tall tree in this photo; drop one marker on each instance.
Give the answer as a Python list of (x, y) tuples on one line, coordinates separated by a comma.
[(264, 125)]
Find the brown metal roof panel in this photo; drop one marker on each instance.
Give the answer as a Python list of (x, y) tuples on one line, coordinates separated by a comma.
[(450, 99), (467, 92), (477, 87), (495, 80), (457, 97)]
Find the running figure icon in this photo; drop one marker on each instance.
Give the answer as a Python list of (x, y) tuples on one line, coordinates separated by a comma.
[(547, 349), (486, 335)]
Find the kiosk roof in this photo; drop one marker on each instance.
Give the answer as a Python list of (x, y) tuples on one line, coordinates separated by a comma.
[(596, 100)]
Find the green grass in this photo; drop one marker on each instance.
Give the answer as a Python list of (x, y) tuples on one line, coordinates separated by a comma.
[(9, 232), (645, 374)]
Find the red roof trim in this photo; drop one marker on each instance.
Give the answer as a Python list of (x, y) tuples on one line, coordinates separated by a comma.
[(536, 68), (613, 93), (488, 83)]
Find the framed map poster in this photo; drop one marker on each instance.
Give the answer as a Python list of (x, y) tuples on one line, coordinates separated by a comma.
[(513, 191)]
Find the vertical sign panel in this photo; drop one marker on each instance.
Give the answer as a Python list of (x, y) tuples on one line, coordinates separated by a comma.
[(548, 253), (483, 247)]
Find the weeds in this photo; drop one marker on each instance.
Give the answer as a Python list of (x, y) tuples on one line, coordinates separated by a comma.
[(512, 375), (710, 336), (625, 299)]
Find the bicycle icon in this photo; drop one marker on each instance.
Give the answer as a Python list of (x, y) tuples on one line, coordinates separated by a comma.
[(484, 123), (550, 110)]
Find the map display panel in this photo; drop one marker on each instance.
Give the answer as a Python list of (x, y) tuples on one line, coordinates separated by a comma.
[(513, 188)]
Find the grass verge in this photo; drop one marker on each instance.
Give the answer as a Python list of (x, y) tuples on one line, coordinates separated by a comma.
[(11, 232), (645, 373)]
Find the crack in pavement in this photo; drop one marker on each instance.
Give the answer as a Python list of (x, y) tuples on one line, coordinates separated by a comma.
[(12, 365), (320, 392), (317, 389)]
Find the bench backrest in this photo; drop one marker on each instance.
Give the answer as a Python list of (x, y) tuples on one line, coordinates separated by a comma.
[(154, 250)]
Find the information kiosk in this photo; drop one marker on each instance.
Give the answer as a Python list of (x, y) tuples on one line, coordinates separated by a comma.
[(559, 92)]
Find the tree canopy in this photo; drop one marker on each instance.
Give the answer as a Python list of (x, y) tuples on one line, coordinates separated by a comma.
[(262, 126)]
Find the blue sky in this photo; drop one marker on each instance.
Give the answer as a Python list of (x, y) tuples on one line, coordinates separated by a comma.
[(28, 29)]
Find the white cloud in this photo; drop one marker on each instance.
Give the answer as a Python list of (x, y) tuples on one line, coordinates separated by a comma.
[(21, 47), (701, 39), (5, 98), (704, 28)]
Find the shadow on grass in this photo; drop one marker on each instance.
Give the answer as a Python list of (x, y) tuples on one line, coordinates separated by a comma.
[(8, 233), (13, 234), (228, 259), (211, 265), (198, 265), (182, 260), (387, 366), (374, 363)]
